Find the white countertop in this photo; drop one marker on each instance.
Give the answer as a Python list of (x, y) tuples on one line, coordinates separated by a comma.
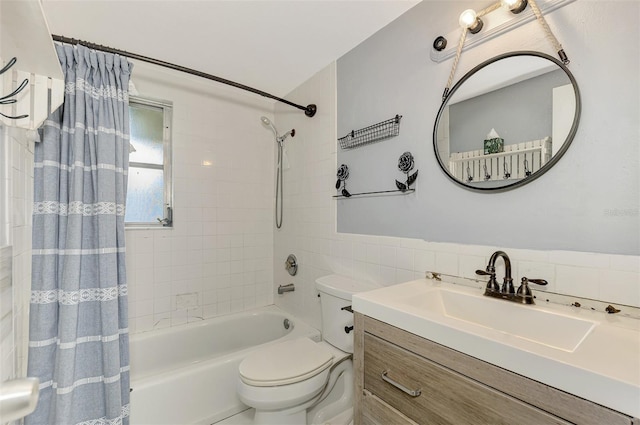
[(604, 368)]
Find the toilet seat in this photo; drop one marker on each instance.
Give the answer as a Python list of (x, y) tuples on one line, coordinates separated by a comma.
[(285, 363)]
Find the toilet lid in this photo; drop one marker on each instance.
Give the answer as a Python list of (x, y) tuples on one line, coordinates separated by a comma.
[(285, 363)]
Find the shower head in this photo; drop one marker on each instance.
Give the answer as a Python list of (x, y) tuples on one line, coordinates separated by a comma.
[(268, 123)]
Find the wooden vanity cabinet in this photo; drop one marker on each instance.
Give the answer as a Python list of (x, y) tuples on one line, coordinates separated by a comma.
[(454, 388)]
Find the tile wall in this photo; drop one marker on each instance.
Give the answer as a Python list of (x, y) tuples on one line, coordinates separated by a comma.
[(16, 178), (310, 222), (218, 258)]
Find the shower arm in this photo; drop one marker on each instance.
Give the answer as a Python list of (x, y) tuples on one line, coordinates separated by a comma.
[(309, 110)]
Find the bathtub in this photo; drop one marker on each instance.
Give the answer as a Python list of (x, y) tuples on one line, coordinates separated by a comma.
[(187, 374)]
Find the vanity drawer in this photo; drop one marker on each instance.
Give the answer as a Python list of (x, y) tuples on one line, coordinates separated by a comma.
[(377, 412), (446, 397)]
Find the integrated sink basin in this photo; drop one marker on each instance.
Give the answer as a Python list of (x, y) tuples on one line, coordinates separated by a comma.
[(582, 351), (521, 321)]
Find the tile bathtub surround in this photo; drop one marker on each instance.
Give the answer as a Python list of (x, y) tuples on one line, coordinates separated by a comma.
[(310, 222), (218, 258)]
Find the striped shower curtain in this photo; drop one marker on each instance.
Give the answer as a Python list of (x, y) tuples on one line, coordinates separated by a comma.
[(78, 335)]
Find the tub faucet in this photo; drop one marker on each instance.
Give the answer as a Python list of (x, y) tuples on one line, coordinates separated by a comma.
[(286, 288), (492, 285)]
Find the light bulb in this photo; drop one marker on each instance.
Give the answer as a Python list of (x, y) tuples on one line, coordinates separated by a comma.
[(469, 19), (515, 6)]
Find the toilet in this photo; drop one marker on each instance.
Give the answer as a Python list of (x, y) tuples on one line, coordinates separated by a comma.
[(296, 382)]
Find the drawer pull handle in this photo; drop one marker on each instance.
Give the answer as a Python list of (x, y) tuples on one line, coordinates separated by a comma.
[(412, 393)]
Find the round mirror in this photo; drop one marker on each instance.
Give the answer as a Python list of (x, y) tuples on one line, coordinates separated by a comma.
[(507, 121)]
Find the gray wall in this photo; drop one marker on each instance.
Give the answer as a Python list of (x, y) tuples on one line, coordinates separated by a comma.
[(520, 112), (588, 202)]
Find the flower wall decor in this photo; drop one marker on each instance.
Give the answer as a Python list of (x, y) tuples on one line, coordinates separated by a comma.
[(406, 164), (343, 175)]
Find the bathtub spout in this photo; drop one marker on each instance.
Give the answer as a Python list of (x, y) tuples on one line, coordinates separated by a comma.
[(286, 288)]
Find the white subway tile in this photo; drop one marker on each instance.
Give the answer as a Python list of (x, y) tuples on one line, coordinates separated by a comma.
[(360, 251), (144, 323), (403, 275), (619, 287), (387, 275), (405, 258), (578, 281), (424, 261), (373, 254), (580, 259), (446, 262), (625, 263), (468, 264), (387, 256)]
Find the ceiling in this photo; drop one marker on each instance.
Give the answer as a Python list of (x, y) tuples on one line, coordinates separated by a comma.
[(272, 46)]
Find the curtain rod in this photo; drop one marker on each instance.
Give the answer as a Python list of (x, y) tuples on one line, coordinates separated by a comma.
[(309, 110)]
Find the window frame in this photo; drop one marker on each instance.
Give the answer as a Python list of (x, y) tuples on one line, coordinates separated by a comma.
[(167, 169)]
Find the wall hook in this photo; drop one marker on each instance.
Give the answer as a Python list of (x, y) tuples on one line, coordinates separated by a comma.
[(21, 87), (507, 173), (527, 172), (11, 62), (4, 100), (487, 176)]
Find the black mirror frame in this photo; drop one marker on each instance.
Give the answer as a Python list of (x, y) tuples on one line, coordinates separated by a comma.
[(552, 161)]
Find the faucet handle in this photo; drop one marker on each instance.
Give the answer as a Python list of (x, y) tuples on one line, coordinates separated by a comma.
[(537, 281), (524, 290), (492, 284)]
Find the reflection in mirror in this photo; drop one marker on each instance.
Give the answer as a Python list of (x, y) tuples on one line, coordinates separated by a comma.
[(507, 121)]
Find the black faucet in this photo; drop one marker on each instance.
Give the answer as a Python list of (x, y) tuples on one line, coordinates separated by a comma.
[(507, 283), (507, 291)]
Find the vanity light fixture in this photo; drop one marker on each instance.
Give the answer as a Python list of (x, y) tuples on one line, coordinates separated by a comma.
[(514, 6), (509, 15), (469, 19)]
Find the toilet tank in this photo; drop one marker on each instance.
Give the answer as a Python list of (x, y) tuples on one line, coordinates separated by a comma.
[(335, 294)]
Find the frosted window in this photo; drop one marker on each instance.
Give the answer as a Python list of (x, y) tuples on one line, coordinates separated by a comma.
[(149, 180), (145, 195), (147, 127)]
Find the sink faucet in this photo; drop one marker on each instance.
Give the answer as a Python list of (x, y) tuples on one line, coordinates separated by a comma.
[(507, 292), (507, 283)]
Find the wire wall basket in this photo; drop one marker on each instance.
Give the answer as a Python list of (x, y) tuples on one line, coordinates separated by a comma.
[(373, 133)]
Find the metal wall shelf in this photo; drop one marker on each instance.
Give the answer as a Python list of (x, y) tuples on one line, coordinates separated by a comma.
[(374, 133), (379, 192)]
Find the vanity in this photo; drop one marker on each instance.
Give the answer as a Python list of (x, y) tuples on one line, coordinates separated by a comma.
[(431, 352)]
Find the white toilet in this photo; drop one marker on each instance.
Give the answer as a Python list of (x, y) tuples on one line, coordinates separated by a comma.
[(287, 381)]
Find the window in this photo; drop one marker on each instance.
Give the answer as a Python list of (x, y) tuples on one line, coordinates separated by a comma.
[(149, 185)]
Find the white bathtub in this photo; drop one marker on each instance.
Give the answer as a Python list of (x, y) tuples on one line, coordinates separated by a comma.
[(187, 374)]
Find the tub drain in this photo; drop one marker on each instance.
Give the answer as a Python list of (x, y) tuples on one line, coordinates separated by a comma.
[(287, 323)]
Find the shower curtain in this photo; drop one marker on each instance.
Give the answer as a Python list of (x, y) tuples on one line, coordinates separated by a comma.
[(78, 336)]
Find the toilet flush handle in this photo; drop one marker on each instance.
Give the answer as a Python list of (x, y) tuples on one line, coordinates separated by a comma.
[(348, 329)]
